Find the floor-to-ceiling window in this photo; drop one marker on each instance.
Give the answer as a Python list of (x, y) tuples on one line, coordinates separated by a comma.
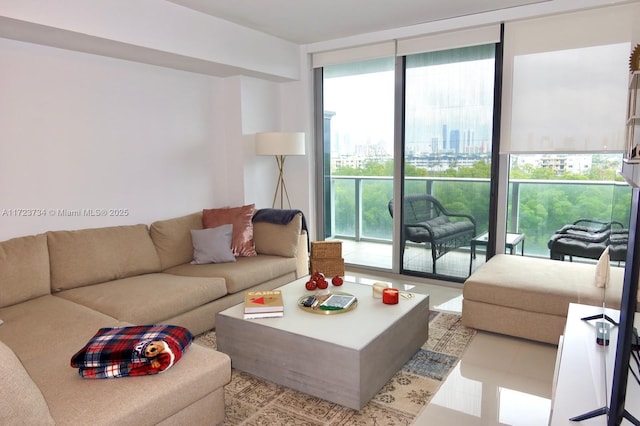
[(441, 138), (564, 127), (358, 152)]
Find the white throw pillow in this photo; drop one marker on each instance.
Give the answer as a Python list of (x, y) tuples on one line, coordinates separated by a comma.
[(602, 269), (212, 245)]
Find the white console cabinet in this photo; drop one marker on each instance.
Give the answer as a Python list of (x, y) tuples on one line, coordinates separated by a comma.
[(584, 370)]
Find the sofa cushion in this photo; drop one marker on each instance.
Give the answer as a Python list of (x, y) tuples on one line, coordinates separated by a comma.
[(49, 322), (90, 256), (24, 269), (148, 299), (245, 273), (240, 217), (21, 402), (276, 239), (172, 238)]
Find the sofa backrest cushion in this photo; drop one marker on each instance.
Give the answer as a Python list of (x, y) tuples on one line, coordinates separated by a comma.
[(21, 402), (24, 269), (91, 256), (172, 238), (276, 239)]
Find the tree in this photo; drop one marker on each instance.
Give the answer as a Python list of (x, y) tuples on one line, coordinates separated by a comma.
[(543, 207)]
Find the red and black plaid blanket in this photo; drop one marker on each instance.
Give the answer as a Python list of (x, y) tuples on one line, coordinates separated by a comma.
[(131, 351)]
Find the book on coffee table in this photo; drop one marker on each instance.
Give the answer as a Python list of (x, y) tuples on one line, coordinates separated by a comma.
[(264, 315), (263, 304)]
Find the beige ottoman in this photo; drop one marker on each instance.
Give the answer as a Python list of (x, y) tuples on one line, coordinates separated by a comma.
[(529, 297)]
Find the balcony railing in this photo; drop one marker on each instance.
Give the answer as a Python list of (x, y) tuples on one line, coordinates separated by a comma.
[(535, 207)]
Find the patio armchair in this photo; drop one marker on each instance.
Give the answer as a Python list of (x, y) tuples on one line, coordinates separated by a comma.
[(427, 221)]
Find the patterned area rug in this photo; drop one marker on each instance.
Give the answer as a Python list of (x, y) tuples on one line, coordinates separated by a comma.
[(252, 401)]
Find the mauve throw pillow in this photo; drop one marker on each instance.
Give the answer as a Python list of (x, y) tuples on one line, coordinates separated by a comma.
[(240, 217), (212, 245)]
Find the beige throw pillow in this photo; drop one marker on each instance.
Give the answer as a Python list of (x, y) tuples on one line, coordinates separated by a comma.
[(602, 269), (278, 240)]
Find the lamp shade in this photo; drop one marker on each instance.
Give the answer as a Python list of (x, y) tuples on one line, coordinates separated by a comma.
[(280, 143)]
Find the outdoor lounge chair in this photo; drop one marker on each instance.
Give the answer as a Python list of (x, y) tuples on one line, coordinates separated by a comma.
[(587, 238)]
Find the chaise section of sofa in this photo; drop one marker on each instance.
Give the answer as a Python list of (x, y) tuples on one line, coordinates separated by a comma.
[(529, 297), (45, 332)]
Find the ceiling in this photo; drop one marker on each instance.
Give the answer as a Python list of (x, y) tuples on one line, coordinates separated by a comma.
[(308, 21)]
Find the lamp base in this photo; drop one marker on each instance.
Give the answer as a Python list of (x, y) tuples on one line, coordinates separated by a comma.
[(280, 185)]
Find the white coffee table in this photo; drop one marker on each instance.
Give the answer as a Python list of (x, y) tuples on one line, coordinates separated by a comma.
[(343, 358)]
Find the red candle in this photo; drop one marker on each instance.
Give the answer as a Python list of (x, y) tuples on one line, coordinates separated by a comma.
[(390, 296)]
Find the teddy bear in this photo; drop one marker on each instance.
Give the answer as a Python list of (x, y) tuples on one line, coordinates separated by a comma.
[(160, 354)]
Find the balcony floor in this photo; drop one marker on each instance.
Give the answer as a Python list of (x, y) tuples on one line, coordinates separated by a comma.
[(416, 259)]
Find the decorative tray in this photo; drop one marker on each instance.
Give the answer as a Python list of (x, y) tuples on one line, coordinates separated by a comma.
[(328, 303)]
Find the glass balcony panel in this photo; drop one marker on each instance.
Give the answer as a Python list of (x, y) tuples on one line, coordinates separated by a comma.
[(537, 208)]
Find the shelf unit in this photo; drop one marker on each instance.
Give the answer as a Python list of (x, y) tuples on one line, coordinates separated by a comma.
[(584, 370), (632, 154)]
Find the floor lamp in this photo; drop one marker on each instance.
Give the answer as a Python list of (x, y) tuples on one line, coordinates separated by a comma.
[(280, 145)]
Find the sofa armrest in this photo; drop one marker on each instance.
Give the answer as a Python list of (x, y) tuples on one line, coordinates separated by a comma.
[(302, 255), (21, 401)]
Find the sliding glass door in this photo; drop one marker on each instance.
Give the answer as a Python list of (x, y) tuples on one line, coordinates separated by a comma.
[(448, 105), (448, 134)]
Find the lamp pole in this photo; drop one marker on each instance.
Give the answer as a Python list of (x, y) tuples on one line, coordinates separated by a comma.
[(280, 185)]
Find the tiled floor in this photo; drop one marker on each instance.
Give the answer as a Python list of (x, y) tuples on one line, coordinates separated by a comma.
[(499, 380)]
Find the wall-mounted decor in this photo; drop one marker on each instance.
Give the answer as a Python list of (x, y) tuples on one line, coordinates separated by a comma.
[(634, 60), (632, 154)]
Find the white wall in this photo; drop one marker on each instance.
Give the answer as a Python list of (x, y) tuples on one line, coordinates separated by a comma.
[(151, 31), (259, 114), (268, 106), (79, 131), (296, 107)]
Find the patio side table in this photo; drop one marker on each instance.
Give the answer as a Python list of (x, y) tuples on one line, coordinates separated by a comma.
[(511, 242)]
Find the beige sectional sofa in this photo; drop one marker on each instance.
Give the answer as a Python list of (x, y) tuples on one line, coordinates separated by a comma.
[(57, 289), (529, 297)]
